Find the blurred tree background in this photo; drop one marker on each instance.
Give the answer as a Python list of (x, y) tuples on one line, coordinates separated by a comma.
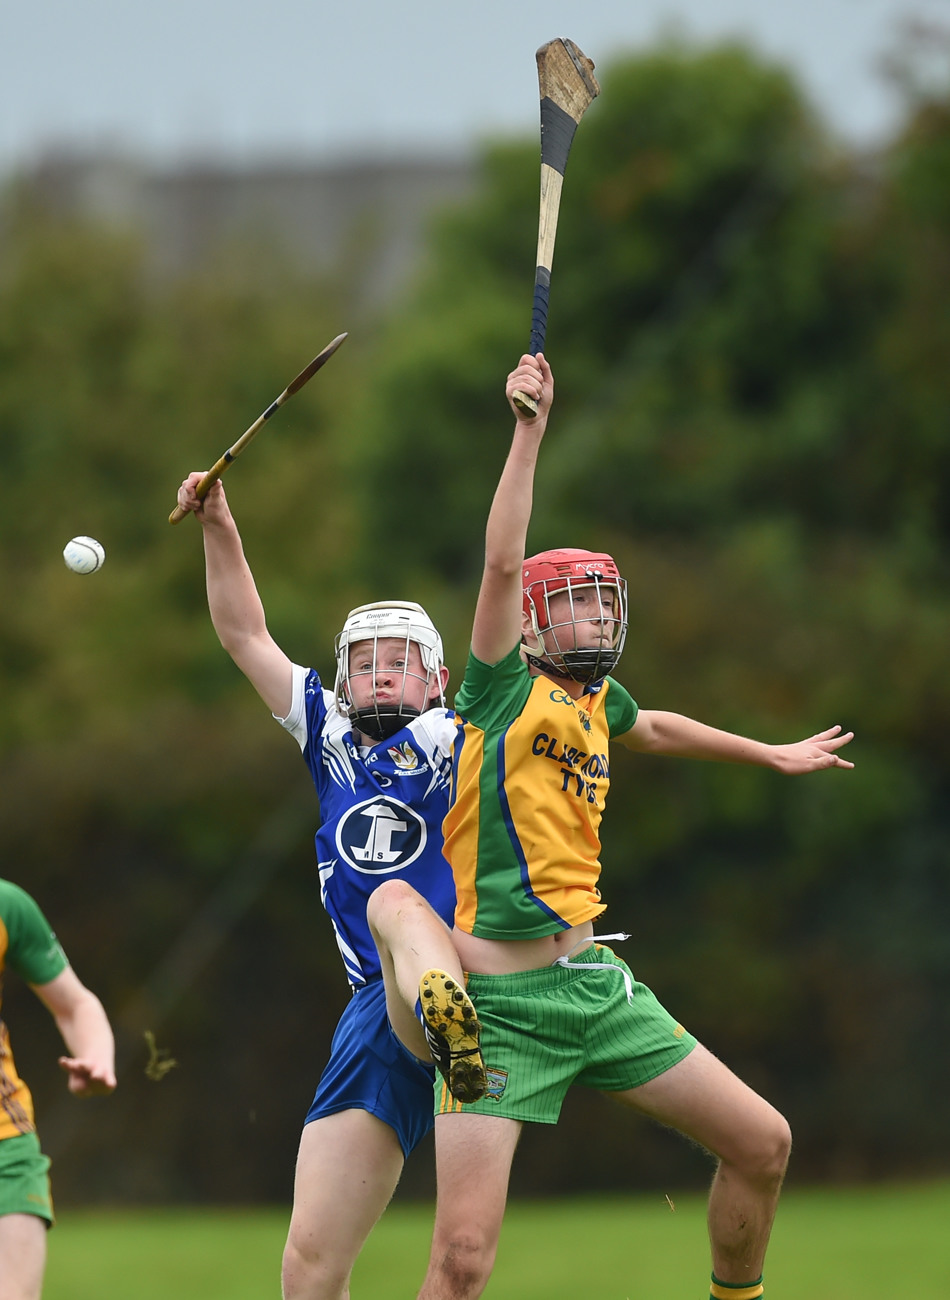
[(749, 331)]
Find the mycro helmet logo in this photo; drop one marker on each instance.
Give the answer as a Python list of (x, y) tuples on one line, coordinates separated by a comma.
[(380, 836)]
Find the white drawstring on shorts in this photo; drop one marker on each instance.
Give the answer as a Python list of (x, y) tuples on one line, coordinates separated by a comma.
[(597, 965)]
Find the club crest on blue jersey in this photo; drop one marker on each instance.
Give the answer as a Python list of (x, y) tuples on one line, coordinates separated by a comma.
[(380, 835), (404, 756)]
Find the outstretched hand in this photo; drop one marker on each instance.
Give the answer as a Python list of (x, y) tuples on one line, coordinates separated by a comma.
[(532, 376), (86, 1078), (813, 754)]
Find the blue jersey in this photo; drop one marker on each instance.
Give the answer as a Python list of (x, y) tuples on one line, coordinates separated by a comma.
[(381, 807)]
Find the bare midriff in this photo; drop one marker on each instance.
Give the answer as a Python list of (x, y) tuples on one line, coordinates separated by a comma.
[(507, 956)]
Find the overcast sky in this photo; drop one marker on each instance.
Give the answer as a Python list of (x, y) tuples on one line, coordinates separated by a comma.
[(227, 78)]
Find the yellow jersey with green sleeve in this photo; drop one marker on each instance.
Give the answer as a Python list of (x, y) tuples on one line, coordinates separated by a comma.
[(28, 946), (530, 777)]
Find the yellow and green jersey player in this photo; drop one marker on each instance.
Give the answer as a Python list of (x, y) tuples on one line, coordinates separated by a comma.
[(538, 709), (29, 946), (531, 773)]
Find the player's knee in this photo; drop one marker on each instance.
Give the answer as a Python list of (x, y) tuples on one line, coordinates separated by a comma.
[(309, 1271), (759, 1147), (463, 1261), (388, 901), (778, 1142), (768, 1159)]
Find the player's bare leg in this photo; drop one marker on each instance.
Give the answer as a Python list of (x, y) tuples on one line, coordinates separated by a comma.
[(22, 1256), (704, 1100), (473, 1155), (423, 975), (348, 1166), (412, 939)]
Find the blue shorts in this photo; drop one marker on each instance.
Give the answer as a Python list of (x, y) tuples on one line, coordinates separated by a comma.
[(369, 1069)]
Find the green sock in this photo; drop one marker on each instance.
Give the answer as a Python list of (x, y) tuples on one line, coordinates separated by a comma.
[(735, 1290)]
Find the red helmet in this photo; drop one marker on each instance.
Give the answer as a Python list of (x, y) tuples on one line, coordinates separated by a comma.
[(550, 572)]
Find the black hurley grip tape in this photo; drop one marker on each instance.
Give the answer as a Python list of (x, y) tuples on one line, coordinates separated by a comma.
[(557, 135), (539, 313)]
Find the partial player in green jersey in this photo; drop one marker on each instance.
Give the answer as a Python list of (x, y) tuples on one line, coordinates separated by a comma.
[(29, 947), (539, 713)]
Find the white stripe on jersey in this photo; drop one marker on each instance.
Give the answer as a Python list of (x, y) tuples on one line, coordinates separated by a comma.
[(351, 961), (325, 871)]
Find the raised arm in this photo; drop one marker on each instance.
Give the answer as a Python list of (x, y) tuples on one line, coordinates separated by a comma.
[(497, 626), (236, 609), (85, 1029), (657, 732)]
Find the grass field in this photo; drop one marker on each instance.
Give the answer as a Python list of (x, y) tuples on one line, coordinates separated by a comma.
[(866, 1244)]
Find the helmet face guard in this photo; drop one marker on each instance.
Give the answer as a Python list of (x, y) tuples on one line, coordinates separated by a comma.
[(565, 572), (387, 620)]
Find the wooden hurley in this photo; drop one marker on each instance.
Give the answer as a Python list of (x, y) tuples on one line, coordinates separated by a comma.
[(216, 470), (568, 88)]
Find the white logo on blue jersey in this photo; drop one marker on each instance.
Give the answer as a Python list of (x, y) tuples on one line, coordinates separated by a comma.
[(380, 835)]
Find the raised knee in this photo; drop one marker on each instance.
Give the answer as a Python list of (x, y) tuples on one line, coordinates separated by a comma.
[(781, 1143), (760, 1151), (773, 1148), (388, 899)]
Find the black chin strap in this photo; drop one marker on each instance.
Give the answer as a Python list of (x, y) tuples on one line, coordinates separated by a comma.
[(380, 724), (545, 666), (602, 662)]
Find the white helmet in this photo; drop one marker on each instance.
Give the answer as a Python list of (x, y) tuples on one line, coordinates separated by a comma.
[(400, 619)]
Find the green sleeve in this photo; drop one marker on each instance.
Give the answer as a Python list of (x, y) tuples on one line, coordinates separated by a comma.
[(492, 695), (621, 708), (33, 949)]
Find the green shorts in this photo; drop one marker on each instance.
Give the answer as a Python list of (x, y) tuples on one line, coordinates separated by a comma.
[(24, 1178), (543, 1030)]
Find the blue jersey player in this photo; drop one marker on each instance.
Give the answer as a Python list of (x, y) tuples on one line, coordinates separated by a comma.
[(378, 748)]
